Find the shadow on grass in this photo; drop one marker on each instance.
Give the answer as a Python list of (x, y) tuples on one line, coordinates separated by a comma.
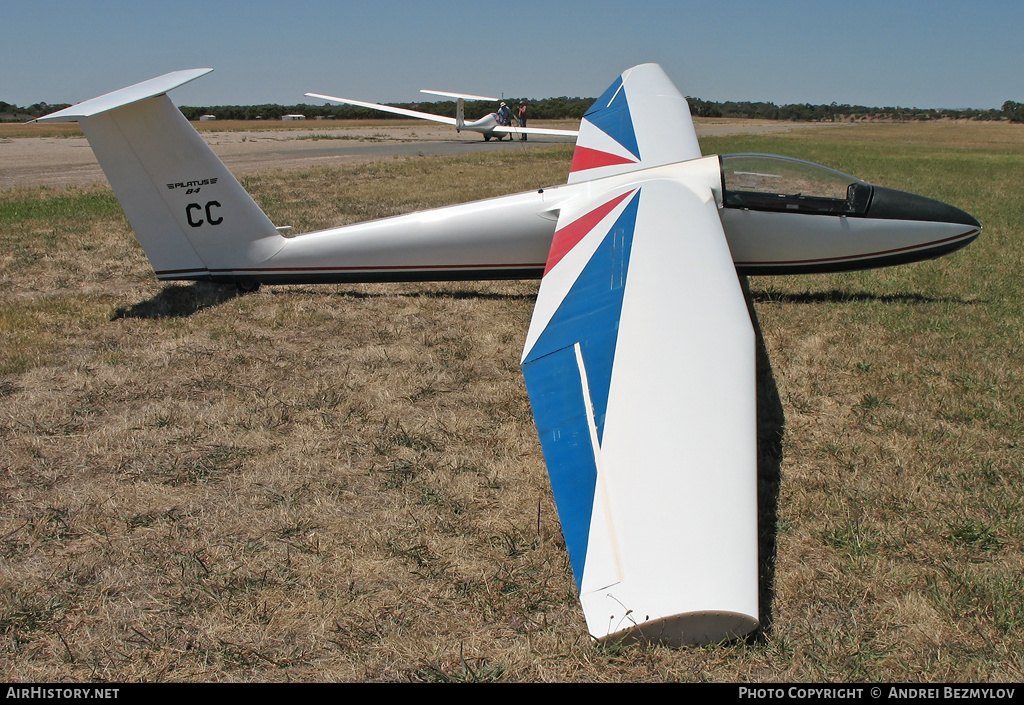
[(485, 295), (837, 296), (436, 294), (771, 424), (176, 301)]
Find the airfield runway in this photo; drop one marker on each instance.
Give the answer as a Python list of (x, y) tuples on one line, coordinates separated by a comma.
[(69, 161)]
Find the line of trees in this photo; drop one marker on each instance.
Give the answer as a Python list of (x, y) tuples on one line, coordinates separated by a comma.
[(574, 108), (13, 113), (548, 109), (571, 108), (1013, 111), (806, 112)]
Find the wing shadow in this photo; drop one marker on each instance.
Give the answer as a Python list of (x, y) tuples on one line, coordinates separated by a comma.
[(838, 296), (177, 301), (771, 424)]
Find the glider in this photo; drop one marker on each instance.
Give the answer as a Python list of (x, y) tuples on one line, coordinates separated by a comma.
[(489, 125), (639, 359)]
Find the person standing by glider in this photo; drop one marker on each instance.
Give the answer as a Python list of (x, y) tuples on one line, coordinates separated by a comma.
[(504, 115)]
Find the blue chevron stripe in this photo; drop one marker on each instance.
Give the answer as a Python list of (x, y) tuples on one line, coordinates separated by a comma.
[(610, 114), (589, 315)]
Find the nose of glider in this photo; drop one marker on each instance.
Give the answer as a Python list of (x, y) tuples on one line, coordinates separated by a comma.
[(890, 204)]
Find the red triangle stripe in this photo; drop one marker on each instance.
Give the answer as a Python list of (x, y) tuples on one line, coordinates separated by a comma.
[(569, 236), (584, 158)]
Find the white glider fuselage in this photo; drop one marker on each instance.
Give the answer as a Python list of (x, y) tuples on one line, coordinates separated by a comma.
[(509, 237), (486, 126)]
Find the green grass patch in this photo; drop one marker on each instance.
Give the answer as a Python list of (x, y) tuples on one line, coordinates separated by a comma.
[(26, 207)]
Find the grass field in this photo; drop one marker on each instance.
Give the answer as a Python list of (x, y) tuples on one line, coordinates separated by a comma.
[(344, 482), (16, 130)]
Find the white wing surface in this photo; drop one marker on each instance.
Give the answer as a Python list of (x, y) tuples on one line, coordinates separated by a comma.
[(514, 130), (641, 121), (386, 108), (640, 370), (639, 364)]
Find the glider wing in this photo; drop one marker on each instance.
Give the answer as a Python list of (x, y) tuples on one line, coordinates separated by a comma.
[(640, 369), (639, 364), (514, 130), (386, 108), (641, 121)]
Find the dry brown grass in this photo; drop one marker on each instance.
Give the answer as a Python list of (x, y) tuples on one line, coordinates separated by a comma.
[(344, 482), (13, 130)]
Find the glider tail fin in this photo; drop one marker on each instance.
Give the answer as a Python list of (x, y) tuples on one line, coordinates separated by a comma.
[(191, 216)]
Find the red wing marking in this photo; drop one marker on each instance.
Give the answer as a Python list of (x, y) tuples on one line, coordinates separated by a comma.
[(568, 237), (584, 158)]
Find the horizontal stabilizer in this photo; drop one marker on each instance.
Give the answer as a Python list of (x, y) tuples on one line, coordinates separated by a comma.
[(464, 96), (125, 96)]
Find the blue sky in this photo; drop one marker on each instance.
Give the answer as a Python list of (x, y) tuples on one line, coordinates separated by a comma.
[(929, 54)]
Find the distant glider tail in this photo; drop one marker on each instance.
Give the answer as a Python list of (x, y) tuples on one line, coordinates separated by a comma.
[(189, 213)]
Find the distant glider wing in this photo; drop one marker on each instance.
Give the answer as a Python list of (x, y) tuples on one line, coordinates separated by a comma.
[(513, 130), (386, 108)]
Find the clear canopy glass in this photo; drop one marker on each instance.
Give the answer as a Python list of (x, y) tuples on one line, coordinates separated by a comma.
[(770, 182)]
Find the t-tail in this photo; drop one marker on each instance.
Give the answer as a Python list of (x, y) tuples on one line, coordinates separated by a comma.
[(190, 214)]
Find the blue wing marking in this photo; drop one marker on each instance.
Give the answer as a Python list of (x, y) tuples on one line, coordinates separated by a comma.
[(568, 376), (610, 113)]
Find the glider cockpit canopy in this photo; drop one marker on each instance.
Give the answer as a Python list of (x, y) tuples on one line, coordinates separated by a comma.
[(774, 183)]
